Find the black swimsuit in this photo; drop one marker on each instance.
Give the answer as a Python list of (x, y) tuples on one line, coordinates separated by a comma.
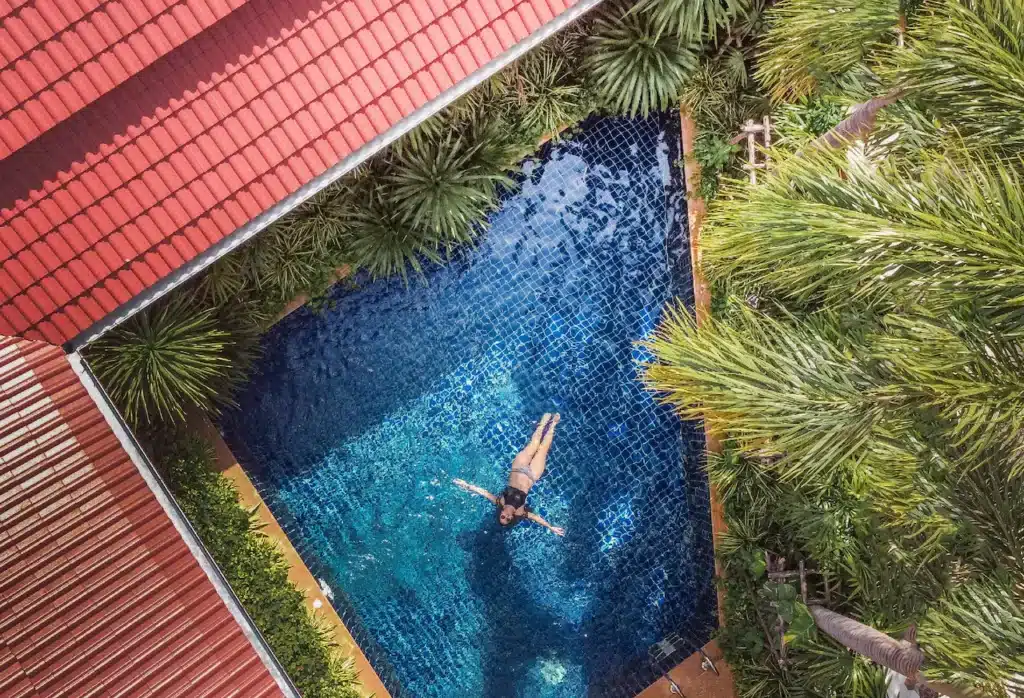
[(515, 498)]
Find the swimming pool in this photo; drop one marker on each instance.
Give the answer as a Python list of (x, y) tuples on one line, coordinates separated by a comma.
[(361, 415)]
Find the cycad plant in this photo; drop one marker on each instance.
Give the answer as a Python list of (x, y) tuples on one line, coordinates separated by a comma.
[(636, 67), (384, 242), (543, 94), (692, 19), (165, 360)]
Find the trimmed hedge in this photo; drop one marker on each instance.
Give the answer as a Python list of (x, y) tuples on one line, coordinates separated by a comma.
[(258, 574)]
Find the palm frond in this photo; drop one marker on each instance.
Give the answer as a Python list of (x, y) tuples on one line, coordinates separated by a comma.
[(971, 373), (544, 95), (810, 43), (164, 360), (966, 68), (692, 19), (953, 231), (976, 634), (384, 243), (636, 68), (988, 501), (778, 388), (435, 186)]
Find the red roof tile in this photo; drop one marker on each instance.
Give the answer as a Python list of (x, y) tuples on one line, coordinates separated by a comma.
[(217, 120), (98, 591)]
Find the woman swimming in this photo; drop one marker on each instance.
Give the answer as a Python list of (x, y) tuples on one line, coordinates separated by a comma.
[(527, 468)]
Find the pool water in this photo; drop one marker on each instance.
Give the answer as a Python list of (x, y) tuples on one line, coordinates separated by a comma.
[(362, 413)]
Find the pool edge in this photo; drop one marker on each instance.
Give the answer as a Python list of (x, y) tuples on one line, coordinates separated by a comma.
[(690, 674), (371, 685)]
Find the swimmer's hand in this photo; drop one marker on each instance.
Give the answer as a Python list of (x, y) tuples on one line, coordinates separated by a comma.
[(558, 530)]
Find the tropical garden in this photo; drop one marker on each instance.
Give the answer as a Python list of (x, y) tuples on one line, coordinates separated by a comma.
[(862, 361)]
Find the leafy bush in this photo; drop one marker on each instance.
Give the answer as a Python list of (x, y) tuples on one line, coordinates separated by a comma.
[(258, 574), (166, 359), (636, 67), (714, 155), (437, 186)]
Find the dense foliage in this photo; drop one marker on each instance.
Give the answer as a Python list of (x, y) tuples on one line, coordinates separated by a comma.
[(159, 363), (416, 203), (258, 574), (867, 362)]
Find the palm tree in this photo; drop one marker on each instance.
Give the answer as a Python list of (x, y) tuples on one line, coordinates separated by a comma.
[(873, 351)]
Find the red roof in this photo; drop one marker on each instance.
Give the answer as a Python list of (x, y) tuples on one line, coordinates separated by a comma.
[(140, 134), (99, 595)]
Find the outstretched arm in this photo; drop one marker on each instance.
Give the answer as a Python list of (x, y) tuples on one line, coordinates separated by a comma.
[(475, 490), (538, 519)]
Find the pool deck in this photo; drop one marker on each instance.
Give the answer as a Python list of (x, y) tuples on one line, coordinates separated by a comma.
[(694, 681), (298, 573)]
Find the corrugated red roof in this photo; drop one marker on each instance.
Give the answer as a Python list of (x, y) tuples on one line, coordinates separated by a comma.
[(99, 594), (206, 129)]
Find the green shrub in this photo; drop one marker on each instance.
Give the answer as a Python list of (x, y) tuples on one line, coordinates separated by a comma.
[(436, 186), (166, 359), (693, 19), (636, 67), (544, 96), (258, 574)]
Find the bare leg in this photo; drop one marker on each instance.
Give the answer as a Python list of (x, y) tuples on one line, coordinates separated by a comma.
[(539, 461), (526, 455)]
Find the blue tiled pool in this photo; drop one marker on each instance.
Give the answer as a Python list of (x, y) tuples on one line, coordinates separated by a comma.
[(361, 416)]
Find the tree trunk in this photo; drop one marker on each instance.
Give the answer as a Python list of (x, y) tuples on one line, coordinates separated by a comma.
[(901, 657)]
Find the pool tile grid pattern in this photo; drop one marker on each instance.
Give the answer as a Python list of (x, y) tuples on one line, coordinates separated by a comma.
[(362, 414)]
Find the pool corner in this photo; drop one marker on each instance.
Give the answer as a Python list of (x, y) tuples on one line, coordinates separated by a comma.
[(371, 685)]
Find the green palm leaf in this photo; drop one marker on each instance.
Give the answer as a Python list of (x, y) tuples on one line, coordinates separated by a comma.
[(778, 388), (164, 360), (693, 19), (966, 67), (953, 231), (811, 42), (635, 67)]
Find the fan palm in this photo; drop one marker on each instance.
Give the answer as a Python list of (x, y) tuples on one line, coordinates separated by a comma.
[(635, 67), (163, 361)]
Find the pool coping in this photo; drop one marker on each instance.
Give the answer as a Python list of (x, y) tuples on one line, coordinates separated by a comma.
[(370, 682)]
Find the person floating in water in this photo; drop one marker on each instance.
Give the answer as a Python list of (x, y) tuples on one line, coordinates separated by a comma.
[(527, 468)]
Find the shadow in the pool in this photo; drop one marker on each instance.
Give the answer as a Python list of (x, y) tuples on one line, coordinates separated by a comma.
[(512, 615)]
